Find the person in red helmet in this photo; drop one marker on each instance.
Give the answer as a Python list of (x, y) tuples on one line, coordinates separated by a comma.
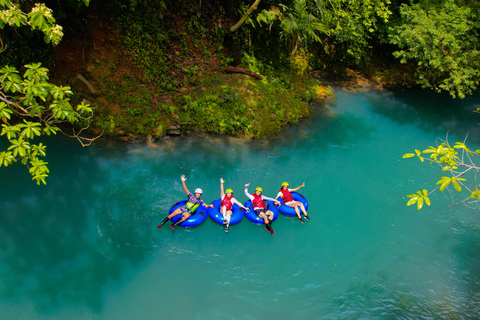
[(260, 208), (189, 208), (227, 203), (285, 194)]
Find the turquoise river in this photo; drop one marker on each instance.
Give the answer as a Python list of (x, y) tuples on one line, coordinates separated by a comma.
[(87, 246)]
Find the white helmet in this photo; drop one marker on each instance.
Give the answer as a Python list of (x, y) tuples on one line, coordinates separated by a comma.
[(198, 190)]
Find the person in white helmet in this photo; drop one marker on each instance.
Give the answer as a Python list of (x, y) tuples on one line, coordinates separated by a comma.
[(189, 208)]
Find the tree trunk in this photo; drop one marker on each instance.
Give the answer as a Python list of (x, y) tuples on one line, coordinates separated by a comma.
[(244, 71), (231, 40)]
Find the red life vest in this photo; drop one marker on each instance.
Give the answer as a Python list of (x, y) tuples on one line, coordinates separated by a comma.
[(257, 201), (286, 195), (227, 202)]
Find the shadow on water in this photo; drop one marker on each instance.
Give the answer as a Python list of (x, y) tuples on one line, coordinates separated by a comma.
[(214, 155), (434, 113), (56, 247), (324, 129)]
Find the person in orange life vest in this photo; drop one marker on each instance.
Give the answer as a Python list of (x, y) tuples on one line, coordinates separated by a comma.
[(259, 207), (285, 194), (227, 203), (189, 208)]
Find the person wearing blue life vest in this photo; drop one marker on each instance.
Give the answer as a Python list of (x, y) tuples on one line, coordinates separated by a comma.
[(189, 208), (287, 197)]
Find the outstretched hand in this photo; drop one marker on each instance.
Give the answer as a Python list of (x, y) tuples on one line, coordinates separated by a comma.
[(183, 178), (303, 185), (221, 180), (246, 186)]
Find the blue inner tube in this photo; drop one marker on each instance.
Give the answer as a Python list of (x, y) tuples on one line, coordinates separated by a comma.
[(290, 211), (215, 214), (252, 216), (194, 220)]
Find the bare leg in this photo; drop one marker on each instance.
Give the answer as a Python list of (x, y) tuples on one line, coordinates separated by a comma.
[(186, 215), (228, 216), (223, 210), (297, 212), (264, 217), (174, 213), (268, 224), (303, 209), (295, 205)]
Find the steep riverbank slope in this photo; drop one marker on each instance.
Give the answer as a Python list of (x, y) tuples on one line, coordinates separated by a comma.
[(173, 80)]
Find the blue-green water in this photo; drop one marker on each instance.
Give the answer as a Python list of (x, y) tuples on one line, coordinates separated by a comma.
[(86, 246)]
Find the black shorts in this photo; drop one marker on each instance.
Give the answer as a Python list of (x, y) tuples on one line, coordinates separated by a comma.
[(260, 210)]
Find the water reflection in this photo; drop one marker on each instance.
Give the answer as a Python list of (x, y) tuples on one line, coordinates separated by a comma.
[(326, 128), (51, 249), (434, 113)]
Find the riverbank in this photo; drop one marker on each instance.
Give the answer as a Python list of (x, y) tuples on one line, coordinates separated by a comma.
[(152, 91), (129, 106)]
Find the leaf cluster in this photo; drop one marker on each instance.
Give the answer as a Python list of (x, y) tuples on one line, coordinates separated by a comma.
[(41, 106), (457, 164)]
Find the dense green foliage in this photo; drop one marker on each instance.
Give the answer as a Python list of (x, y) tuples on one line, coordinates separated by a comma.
[(243, 106), (439, 39), (42, 106), (443, 40)]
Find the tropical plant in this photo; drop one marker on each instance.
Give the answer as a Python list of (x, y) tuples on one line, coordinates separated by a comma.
[(353, 27), (297, 23), (461, 168), (30, 106), (442, 39)]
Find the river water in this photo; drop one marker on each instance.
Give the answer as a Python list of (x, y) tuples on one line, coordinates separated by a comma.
[(87, 246)]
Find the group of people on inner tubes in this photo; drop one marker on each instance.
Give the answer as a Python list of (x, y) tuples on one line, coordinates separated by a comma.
[(227, 210)]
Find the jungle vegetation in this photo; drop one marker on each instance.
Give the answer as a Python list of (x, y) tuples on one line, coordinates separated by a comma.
[(138, 68)]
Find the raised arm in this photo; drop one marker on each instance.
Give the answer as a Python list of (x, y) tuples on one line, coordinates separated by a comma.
[(183, 183), (249, 196), (303, 185), (221, 187)]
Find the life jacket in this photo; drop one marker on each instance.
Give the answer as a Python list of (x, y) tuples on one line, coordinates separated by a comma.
[(227, 202), (192, 206), (286, 195), (257, 201)]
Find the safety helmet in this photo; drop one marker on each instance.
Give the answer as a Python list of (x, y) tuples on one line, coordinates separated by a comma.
[(229, 191), (258, 189), (198, 190), (285, 184)]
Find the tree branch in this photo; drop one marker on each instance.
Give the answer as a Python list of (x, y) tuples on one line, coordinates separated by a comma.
[(245, 16)]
